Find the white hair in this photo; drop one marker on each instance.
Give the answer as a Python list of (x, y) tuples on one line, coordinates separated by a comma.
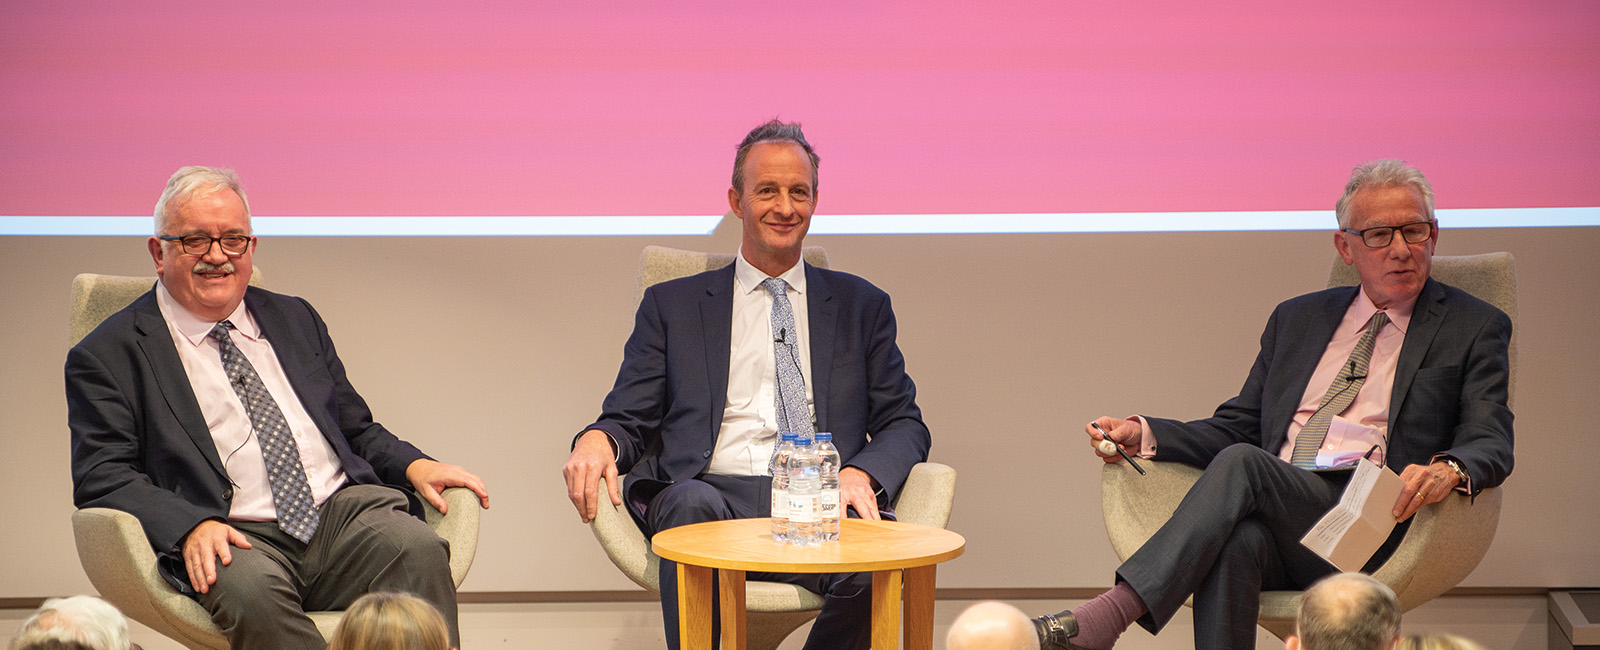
[(84, 620), (1383, 173), (192, 180)]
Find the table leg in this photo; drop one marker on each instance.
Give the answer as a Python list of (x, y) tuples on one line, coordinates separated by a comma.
[(730, 586), (694, 607), (919, 607), (886, 609)]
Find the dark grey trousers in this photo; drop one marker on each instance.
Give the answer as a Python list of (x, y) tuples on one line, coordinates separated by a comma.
[(366, 541)]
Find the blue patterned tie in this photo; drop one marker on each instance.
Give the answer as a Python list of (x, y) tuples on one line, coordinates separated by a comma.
[(1338, 398), (791, 399), (291, 492)]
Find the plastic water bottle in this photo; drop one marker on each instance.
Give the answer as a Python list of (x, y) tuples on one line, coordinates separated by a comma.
[(778, 466), (828, 499), (805, 484)]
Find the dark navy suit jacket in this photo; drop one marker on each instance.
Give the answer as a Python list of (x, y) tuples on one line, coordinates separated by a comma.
[(141, 445), (666, 407)]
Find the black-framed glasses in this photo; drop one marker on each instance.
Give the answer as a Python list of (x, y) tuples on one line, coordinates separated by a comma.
[(233, 245), (1415, 232)]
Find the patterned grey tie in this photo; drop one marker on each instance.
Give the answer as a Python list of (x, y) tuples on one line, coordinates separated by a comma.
[(1338, 398), (291, 492), (791, 398)]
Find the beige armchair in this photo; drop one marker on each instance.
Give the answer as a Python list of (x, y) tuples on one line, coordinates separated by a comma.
[(1446, 540), (117, 556), (775, 609)]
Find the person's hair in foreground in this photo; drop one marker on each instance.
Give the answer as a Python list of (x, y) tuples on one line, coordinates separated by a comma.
[(1438, 642), (75, 623), (390, 621), (1348, 611)]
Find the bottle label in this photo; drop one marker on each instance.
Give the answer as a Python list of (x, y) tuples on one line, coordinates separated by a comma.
[(829, 505), (778, 503), (802, 508)]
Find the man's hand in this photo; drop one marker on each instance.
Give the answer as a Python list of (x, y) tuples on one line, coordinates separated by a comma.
[(1425, 484), (207, 543), (431, 476), (1124, 433), (855, 489), (592, 457)]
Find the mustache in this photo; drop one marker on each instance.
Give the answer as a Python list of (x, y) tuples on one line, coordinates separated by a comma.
[(202, 266)]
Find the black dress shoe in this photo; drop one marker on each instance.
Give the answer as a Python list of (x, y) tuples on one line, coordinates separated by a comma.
[(1054, 631)]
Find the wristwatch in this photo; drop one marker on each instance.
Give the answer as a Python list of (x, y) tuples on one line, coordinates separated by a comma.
[(1461, 472)]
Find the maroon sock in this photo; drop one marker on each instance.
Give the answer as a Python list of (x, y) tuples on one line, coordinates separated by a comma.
[(1103, 619)]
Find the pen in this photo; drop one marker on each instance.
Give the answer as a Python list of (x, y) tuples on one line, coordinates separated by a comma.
[(1118, 447)]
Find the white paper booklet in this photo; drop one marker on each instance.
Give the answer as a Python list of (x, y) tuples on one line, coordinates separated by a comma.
[(1354, 529)]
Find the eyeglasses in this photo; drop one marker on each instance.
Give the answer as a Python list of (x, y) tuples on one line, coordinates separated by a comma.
[(1415, 232), (232, 245)]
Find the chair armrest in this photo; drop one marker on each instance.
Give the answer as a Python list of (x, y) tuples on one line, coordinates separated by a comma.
[(928, 495), (624, 543), (118, 559), (460, 528), (1444, 545)]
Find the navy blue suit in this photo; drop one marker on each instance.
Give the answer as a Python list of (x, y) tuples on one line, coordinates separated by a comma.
[(1238, 529), (666, 407)]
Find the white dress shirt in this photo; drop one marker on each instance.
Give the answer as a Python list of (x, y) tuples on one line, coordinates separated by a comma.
[(230, 423), (750, 419)]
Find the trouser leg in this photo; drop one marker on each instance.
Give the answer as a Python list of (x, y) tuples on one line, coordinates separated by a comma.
[(681, 504), (374, 544), (257, 597), (1242, 482)]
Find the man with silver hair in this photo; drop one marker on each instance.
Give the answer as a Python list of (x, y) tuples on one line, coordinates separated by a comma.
[(221, 417), (1403, 366), (75, 622), (1347, 611)]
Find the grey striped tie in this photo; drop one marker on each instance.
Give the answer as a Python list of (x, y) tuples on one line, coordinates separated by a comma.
[(1338, 398), (791, 398), (291, 492)]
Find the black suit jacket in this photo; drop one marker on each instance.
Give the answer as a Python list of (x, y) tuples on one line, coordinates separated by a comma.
[(666, 407), (140, 443), (1450, 385)]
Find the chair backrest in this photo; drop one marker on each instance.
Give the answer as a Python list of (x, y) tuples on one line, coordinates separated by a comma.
[(96, 297), (659, 264), (1490, 277)]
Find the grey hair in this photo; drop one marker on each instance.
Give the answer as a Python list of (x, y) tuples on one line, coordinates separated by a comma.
[(1348, 611), (1386, 172), (84, 621), (192, 180), (772, 131)]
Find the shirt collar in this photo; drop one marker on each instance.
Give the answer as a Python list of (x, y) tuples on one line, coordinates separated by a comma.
[(196, 329), (1399, 313), (748, 278)]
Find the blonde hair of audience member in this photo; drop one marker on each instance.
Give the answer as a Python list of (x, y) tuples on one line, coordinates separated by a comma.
[(1438, 642), (992, 625), (390, 621), (71, 623), (1347, 611)]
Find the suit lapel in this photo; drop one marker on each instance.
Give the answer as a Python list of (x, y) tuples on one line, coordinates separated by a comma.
[(716, 321), (297, 360), (155, 342), (822, 319), (1305, 352), (1426, 318)]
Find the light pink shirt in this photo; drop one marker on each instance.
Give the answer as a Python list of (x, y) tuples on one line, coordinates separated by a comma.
[(1366, 421), (750, 419), (230, 427)]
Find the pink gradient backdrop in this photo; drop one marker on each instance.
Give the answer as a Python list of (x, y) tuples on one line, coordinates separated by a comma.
[(633, 108)]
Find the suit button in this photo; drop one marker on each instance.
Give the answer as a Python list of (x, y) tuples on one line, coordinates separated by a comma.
[(227, 495), (707, 454)]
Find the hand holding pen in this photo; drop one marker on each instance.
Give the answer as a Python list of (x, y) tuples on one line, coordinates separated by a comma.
[(1107, 446)]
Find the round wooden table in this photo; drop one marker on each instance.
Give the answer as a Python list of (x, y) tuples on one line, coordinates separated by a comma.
[(900, 556)]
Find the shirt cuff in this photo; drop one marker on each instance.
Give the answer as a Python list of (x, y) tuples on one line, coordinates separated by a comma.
[(1147, 441)]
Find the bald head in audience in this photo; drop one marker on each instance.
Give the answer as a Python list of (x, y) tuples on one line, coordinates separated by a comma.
[(992, 625), (1347, 611)]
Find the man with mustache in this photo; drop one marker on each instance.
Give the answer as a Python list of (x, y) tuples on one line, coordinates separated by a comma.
[(220, 416), (1410, 368), (703, 392)]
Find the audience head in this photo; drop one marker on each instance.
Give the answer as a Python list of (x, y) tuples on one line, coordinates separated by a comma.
[(774, 193), (1438, 642), (76, 623), (1347, 611), (203, 248), (992, 625), (1387, 230), (391, 621)]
